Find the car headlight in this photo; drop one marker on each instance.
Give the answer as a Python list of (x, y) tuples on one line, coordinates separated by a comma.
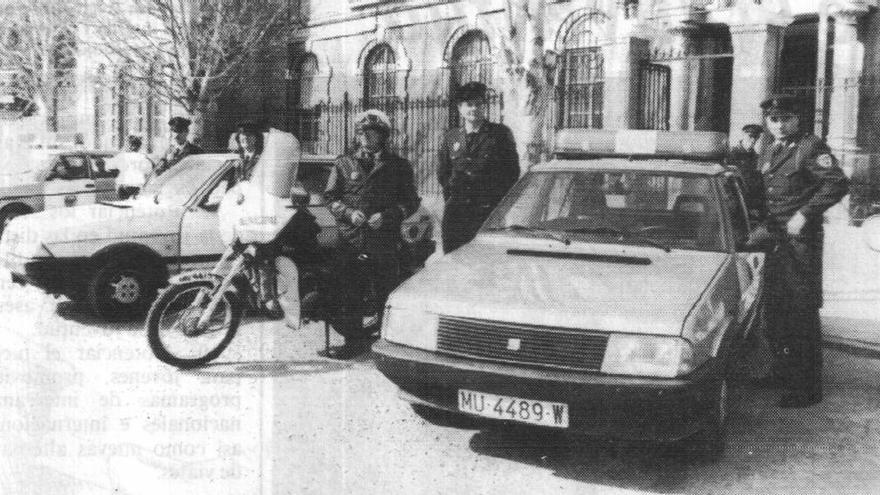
[(413, 328), (647, 355)]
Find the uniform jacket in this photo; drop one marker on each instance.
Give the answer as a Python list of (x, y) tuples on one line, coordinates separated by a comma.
[(801, 175), (478, 169), (174, 154), (387, 188)]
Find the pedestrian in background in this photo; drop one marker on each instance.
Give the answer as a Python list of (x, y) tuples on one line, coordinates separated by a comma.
[(802, 181), (134, 167), (745, 157), (478, 165), (180, 146)]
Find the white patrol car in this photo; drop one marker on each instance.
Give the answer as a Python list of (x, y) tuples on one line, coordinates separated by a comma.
[(115, 255), (62, 178), (607, 293)]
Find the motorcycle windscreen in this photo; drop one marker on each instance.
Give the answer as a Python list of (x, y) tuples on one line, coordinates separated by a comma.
[(276, 169), (251, 215)]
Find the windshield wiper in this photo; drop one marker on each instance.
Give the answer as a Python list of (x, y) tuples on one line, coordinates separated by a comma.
[(623, 234), (551, 234)]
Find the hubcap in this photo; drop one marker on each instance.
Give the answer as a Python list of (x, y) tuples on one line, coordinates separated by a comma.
[(126, 290)]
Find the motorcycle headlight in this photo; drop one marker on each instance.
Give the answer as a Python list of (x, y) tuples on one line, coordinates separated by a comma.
[(647, 355), (413, 328)]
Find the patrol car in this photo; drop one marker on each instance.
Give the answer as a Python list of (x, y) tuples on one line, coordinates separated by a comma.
[(63, 178), (607, 293), (114, 255)]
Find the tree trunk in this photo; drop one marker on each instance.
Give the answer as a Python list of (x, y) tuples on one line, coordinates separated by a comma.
[(527, 90)]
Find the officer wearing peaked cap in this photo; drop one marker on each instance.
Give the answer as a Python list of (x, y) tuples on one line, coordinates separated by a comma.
[(478, 165), (179, 148), (371, 192), (802, 180)]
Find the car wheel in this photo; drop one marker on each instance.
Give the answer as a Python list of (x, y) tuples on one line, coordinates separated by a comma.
[(707, 445), (120, 291), (7, 217)]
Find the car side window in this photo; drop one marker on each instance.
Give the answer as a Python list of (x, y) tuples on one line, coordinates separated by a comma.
[(69, 167), (212, 199), (99, 167), (314, 177)]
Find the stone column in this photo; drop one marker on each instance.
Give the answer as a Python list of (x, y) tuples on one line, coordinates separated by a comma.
[(621, 90), (845, 79), (756, 49), (680, 114)]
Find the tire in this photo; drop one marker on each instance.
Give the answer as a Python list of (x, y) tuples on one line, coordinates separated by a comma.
[(121, 291), (7, 215), (707, 445), (232, 309)]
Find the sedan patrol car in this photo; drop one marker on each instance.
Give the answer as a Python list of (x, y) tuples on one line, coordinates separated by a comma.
[(115, 255), (607, 293), (63, 178)]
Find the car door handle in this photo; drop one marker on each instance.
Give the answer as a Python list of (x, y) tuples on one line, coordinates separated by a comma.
[(90, 186)]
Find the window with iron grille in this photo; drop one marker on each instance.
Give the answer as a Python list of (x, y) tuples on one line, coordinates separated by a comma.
[(380, 73), (471, 61), (582, 76), (306, 115)]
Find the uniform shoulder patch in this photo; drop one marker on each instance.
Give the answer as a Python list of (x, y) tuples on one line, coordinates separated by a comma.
[(825, 160)]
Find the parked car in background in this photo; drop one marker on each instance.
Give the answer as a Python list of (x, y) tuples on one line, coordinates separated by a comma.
[(62, 178), (608, 293), (115, 255)]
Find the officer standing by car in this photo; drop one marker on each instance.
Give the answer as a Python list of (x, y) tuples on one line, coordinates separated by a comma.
[(180, 146), (478, 165), (370, 192), (802, 181)]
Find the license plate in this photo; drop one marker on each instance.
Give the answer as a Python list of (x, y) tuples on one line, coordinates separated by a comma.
[(535, 412)]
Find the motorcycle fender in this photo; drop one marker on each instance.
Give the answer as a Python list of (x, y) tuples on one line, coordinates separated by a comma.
[(193, 276)]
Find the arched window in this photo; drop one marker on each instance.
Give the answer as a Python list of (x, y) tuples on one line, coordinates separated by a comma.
[(306, 114), (380, 73), (582, 75), (471, 61)]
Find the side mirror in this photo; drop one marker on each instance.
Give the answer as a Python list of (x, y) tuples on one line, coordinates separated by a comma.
[(299, 197)]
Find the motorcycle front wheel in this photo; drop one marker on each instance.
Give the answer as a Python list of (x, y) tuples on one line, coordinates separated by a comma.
[(172, 330)]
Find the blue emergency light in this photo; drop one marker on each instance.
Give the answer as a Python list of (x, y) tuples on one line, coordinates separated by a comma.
[(684, 145)]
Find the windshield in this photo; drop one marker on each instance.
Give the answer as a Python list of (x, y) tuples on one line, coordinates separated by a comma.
[(181, 181), (660, 209)]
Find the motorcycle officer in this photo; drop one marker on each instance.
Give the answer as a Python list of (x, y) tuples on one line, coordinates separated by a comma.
[(370, 192)]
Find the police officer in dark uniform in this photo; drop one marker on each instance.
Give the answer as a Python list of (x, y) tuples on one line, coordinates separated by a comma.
[(802, 180), (370, 192), (179, 148), (745, 157), (478, 165)]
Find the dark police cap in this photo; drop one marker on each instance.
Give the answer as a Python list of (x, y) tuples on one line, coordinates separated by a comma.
[(249, 127), (179, 124), (471, 91), (781, 105), (753, 129)]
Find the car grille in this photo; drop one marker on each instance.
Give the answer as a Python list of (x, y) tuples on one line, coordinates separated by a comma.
[(537, 345)]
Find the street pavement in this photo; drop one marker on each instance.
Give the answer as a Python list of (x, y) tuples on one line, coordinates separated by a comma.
[(86, 409)]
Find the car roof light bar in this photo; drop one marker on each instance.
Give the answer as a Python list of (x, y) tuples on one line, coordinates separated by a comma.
[(684, 145)]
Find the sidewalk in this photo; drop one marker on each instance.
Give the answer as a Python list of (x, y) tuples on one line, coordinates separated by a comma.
[(851, 312)]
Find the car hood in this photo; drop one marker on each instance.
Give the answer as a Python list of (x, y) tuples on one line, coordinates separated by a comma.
[(132, 218), (550, 284)]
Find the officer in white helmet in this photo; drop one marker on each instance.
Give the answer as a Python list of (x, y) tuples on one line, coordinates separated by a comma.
[(370, 192)]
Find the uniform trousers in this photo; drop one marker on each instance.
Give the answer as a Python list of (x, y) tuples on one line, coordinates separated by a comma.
[(354, 271), (793, 298)]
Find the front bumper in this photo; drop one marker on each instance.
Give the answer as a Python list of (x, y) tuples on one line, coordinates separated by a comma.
[(613, 406), (53, 275)]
